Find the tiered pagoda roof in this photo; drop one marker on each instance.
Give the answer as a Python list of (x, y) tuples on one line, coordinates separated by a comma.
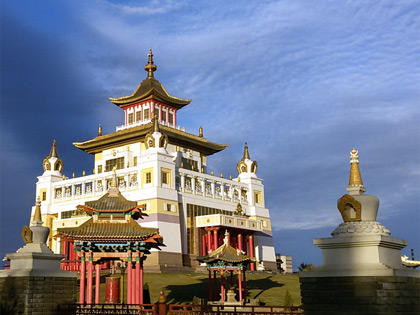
[(150, 88)]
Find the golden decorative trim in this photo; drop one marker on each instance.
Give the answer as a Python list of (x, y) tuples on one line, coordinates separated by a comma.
[(27, 234), (345, 203)]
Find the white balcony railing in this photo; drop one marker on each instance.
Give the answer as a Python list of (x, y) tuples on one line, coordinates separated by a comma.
[(146, 121), (211, 186), (228, 220)]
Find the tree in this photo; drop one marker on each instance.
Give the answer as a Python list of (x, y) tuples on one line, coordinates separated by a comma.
[(305, 267)]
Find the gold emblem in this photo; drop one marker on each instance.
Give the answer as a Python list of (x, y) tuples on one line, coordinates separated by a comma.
[(27, 234)]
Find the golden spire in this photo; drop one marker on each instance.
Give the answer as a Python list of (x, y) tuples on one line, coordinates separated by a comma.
[(114, 178), (53, 151), (99, 130), (37, 214), (246, 153), (200, 132), (150, 67), (355, 179), (155, 121)]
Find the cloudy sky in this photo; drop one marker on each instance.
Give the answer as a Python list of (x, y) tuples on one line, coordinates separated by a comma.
[(303, 82)]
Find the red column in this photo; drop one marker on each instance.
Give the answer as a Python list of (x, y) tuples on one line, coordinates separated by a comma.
[(89, 280), (175, 118), (240, 285), (203, 245), (222, 286), (209, 247), (133, 284), (82, 279), (141, 279), (97, 282), (215, 245), (251, 250), (137, 285), (129, 267), (240, 241)]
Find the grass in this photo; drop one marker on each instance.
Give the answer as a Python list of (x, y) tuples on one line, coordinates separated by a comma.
[(182, 287)]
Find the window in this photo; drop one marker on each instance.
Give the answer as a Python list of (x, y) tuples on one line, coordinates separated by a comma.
[(135, 161), (168, 207), (148, 178), (164, 115), (130, 118), (165, 177), (146, 114), (118, 162), (138, 116), (171, 118), (99, 169), (189, 164), (256, 198), (44, 195)]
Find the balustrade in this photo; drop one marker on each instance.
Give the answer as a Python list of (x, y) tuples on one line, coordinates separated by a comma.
[(96, 184)]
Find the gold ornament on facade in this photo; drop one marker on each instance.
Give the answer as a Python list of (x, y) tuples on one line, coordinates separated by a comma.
[(350, 208), (27, 234)]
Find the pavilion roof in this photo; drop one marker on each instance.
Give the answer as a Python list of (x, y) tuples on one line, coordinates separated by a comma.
[(226, 253), (111, 231), (110, 202), (138, 133)]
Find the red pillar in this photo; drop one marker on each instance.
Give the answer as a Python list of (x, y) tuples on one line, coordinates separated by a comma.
[(133, 284), (137, 284), (82, 279), (251, 250), (129, 267), (209, 247), (215, 245), (222, 286), (240, 241), (240, 285), (89, 280), (141, 279), (97, 282)]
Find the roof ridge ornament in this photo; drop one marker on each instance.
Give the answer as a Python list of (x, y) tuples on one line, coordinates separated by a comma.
[(355, 186), (150, 67)]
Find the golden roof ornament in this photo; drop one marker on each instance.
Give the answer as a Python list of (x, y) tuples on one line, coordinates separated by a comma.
[(200, 131), (99, 130), (246, 153), (150, 67), (155, 121), (52, 162), (355, 186)]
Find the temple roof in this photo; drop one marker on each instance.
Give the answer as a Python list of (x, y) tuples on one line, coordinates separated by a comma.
[(134, 134), (110, 203), (150, 88), (101, 230), (226, 253)]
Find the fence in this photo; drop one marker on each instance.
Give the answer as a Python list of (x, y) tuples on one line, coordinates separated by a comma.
[(178, 309)]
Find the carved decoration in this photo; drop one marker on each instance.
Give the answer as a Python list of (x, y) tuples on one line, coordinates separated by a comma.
[(27, 234), (350, 208), (149, 141)]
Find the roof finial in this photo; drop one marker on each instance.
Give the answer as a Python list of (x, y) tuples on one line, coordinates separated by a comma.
[(37, 215), (226, 238), (355, 181), (200, 131), (246, 153), (53, 151), (150, 67), (99, 130)]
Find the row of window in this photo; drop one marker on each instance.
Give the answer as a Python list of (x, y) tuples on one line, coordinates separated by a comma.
[(166, 116)]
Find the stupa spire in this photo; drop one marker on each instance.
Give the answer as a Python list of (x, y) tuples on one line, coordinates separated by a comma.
[(355, 186), (246, 153), (53, 151), (150, 67), (37, 215), (155, 121)]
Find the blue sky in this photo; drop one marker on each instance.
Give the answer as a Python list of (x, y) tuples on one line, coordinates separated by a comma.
[(302, 82)]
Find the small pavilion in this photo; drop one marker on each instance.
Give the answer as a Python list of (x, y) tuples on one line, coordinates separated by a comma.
[(111, 234), (224, 260)]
